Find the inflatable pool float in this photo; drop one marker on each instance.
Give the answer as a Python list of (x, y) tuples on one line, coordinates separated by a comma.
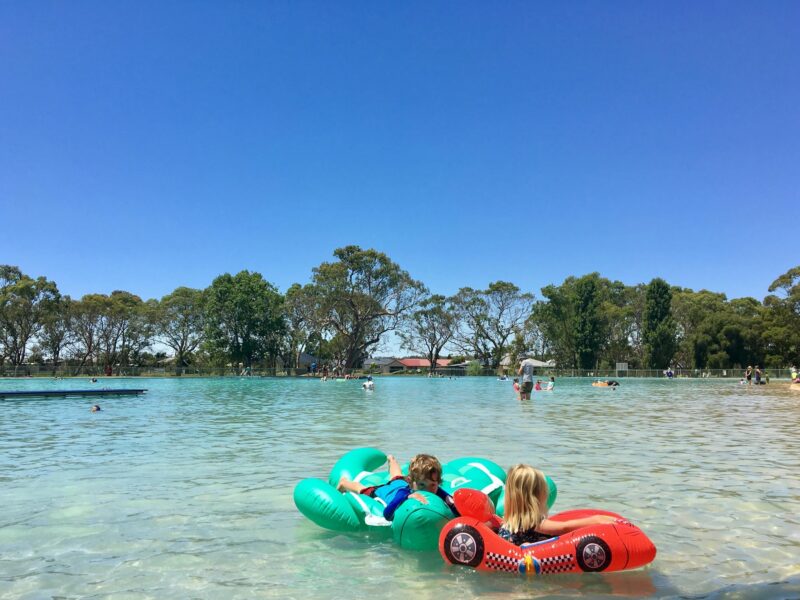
[(471, 540), (415, 526), (605, 384)]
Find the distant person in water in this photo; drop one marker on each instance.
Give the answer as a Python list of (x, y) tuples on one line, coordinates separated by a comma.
[(517, 388), (550, 385), (96, 408), (93, 379), (526, 368), (538, 386)]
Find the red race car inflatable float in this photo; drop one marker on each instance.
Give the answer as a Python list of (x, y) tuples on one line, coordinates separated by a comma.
[(471, 540)]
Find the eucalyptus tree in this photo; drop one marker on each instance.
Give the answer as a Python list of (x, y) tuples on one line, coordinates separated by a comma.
[(244, 318), (693, 313), (489, 319), (179, 323), (23, 302), (554, 317), (56, 334), (87, 323), (781, 331), (302, 323), (574, 319), (620, 311), (139, 335), (590, 330), (430, 329), (360, 297), (659, 332), (123, 328)]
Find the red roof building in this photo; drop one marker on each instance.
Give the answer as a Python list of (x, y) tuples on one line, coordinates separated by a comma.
[(422, 363)]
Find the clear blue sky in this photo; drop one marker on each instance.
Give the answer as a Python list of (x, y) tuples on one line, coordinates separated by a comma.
[(148, 145)]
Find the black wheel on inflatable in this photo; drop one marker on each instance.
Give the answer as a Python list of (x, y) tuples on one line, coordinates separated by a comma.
[(593, 554), (463, 545)]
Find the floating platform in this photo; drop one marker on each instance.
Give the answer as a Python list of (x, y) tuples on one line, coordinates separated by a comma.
[(64, 393)]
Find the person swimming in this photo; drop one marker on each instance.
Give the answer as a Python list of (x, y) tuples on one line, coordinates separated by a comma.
[(96, 408)]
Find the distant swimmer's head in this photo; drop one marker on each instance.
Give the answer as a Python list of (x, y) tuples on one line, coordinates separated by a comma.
[(96, 408), (94, 379)]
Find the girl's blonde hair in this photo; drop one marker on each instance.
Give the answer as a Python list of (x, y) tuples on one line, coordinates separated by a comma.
[(525, 504)]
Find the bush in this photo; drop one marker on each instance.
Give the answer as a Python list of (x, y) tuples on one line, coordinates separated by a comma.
[(474, 368)]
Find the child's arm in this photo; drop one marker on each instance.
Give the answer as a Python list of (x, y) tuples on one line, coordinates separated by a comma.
[(550, 527)]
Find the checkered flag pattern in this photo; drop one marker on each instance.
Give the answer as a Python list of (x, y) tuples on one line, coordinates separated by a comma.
[(501, 562), (558, 564)]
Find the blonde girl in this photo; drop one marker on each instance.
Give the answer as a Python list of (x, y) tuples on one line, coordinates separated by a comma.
[(525, 509)]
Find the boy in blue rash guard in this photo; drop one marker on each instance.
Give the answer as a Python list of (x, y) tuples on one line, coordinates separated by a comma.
[(424, 474)]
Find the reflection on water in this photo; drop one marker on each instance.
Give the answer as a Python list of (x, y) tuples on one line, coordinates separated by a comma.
[(187, 491)]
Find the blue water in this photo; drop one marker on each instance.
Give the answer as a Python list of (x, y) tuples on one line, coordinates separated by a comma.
[(187, 491)]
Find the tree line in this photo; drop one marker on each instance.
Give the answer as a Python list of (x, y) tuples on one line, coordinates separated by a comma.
[(351, 303)]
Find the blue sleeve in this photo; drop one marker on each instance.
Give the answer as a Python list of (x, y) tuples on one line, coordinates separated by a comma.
[(400, 497), (448, 499)]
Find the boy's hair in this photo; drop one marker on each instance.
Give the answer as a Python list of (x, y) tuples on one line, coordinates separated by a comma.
[(423, 467), (525, 503)]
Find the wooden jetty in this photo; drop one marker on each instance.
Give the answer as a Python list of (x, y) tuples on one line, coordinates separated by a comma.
[(64, 393)]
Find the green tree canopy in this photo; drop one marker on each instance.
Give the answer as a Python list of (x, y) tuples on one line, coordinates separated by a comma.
[(659, 332), (781, 332), (360, 297), (23, 304), (590, 328), (56, 333), (244, 318), (430, 329), (572, 318), (180, 321), (489, 320)]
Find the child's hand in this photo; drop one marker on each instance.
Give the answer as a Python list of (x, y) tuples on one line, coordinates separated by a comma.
[(419, 497)]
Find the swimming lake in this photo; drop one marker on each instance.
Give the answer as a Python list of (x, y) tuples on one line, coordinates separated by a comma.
[(186, 492)]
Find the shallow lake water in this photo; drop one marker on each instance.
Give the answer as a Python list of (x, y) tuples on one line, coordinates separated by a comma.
[(186, 492)]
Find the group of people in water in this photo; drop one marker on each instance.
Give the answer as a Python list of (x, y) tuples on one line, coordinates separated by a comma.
[(526, 386), (325, 371), (525, 502), (750, 374), (537, 387)]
